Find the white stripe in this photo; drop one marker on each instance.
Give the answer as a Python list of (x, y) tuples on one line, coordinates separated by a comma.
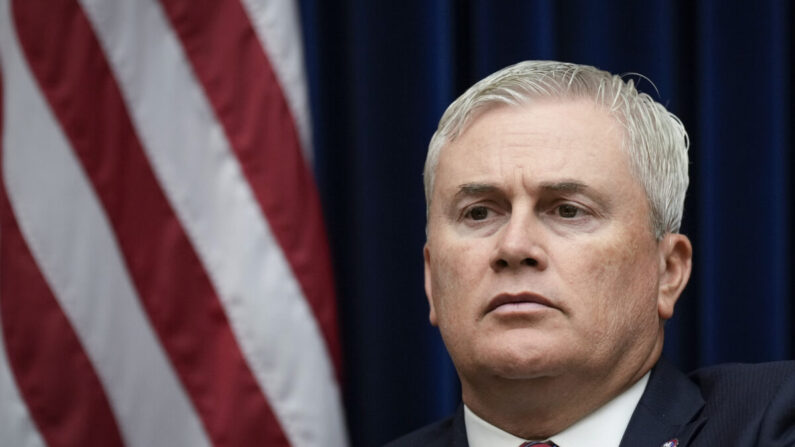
[(278, 28), (72, 242), (202, 178)]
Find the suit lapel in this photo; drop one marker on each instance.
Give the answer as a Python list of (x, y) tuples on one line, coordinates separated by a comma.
[(669, 409), (458, 436)]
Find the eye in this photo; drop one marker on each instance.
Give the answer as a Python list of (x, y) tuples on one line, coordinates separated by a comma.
[(569, 211), (477, 213)]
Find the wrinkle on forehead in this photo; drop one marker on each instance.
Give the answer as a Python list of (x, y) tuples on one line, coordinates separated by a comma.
[(506, 148), (543, 134), (616, 124)]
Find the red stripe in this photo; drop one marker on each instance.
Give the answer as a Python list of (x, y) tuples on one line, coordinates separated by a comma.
[(245, 94), (174, 287), (53, 372)]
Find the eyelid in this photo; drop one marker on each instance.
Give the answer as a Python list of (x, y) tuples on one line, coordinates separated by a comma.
[(490, 205), (573, 203), (466, 209), (582, 209)]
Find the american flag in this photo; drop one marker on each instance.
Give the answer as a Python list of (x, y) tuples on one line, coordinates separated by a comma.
[(165, 277)]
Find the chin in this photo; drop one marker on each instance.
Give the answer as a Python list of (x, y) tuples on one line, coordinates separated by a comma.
[(523, 361), (525, 369)]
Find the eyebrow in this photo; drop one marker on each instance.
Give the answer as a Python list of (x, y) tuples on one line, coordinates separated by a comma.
[(564, 186), (475, 189), (570, 187)]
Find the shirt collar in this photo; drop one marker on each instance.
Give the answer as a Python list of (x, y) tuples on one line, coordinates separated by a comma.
[(607, 424)]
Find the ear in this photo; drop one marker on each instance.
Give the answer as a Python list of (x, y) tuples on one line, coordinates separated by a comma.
[(676, 256), (426, 252)]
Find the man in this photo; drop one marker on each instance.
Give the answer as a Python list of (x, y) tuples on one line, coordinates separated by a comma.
[(555, 194)]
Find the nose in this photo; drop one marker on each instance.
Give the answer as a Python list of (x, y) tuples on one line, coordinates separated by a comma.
[(520, 244)]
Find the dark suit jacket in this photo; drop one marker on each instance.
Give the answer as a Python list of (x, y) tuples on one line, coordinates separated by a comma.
[(727, 405)]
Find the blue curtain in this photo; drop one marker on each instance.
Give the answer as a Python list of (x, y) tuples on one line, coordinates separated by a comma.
[(381, 74)]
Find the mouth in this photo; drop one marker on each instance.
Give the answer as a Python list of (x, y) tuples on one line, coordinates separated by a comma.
[(526, 301)]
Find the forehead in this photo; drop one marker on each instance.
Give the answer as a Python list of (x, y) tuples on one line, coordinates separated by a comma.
[(545, 139)]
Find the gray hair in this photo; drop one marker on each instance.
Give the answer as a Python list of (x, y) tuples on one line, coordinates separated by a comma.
[(655, 139)]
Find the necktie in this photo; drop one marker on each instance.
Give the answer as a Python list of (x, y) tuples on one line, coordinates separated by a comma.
[(539, 444)]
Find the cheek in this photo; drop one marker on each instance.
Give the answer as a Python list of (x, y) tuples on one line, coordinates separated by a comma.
[(620, 286), (454, 278), (446, 278)]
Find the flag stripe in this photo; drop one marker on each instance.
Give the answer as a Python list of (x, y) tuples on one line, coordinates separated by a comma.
[(205, 184), (16, 423), (278, 28), (173, 285), (80, 261), (38, 339), (242, 88)]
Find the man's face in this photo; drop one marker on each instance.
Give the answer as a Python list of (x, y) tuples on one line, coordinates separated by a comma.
[(541, 260)]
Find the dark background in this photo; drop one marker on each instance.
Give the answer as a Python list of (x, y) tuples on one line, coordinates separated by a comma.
[(381, 74)]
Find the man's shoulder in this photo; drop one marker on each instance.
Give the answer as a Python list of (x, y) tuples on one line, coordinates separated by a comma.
[(774, 369), (740, 380), (749, 403), (730, 404), (439, 433)]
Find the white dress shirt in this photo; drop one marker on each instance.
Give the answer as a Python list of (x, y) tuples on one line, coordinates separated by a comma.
[(604, 427)]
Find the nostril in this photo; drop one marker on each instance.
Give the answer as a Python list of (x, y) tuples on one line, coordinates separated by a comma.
[(530, 262), (502, 263)]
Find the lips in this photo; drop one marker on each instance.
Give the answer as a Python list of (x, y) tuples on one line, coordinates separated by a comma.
[(517, 298)]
